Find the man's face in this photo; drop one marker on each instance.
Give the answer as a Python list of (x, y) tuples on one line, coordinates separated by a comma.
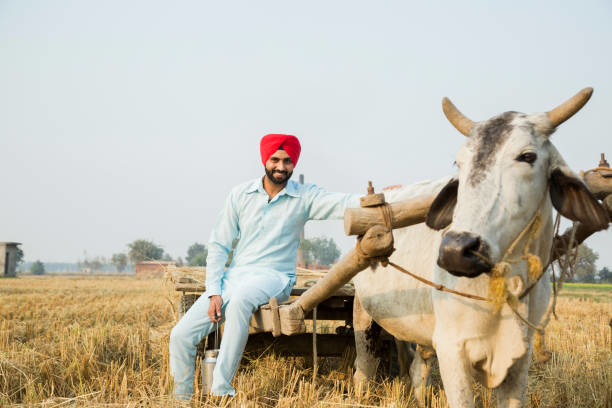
[(279, 167)]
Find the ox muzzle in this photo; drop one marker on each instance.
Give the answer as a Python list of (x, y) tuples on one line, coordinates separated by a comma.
[(464, 254)]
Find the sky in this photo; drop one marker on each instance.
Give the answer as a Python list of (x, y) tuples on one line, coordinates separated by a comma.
[(133, 120)]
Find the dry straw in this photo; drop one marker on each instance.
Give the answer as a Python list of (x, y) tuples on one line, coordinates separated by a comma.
[(104, 342)]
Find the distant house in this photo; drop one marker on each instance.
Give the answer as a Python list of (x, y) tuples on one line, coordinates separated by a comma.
[(8, 258), (152, 269)]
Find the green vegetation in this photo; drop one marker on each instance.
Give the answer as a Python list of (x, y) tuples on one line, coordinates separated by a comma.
[(605, 275), (597, 292), (196, 255), (585, 264), (322, 250), (37, 268), (143, 250), (595, 286), (19, 256), (119, 261)]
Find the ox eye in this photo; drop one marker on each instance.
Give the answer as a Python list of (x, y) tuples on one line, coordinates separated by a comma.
[(527, 157)]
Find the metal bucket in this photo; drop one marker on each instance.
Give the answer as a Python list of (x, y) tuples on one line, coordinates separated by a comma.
[(208, 366)]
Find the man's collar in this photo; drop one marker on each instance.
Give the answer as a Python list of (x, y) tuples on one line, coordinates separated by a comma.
[(291, 188), (256, 185)]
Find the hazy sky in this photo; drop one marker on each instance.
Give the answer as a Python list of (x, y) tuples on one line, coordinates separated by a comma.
[(122, 120)]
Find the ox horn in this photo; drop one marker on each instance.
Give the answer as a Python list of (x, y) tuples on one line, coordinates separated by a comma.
[(456, 118), (568, 108)]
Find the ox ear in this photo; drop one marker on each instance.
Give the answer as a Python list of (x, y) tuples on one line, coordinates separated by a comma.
[(440, 213), (573, 200)]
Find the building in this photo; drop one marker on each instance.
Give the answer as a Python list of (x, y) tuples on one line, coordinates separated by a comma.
[(8, 258), (152, 269)]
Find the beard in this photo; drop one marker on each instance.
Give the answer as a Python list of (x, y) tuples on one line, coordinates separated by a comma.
[(270, 174)]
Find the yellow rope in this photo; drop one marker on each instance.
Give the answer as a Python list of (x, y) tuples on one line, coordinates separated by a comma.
[(535, 267), (498, 289)]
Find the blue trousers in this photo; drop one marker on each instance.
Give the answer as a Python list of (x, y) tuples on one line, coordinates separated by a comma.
[(242, 293)]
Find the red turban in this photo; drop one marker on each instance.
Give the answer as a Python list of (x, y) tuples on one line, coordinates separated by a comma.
[(271, 143)]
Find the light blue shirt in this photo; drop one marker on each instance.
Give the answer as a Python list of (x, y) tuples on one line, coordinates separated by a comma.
[(269, 232)]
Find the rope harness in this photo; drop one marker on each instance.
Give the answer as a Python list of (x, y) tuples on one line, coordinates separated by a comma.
[(498, 284)]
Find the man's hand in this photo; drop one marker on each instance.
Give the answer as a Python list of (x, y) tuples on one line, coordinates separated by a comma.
[(214, 310)]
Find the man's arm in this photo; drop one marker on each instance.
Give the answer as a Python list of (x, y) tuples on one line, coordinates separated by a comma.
[(220, 245), (323, 205)]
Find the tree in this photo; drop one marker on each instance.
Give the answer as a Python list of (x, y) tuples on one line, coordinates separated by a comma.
[(196, 255), (19, 257), (198, 260), (143, 250), (326, 251), (584, 270), (119, 261), (19, 260), (306, 248), (323, 250), (605, 275), (37, 268)]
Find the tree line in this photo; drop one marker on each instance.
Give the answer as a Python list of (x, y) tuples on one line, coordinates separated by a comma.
[(319, 251)]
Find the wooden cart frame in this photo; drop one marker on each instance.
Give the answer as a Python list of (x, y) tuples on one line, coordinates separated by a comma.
[(263, 330)]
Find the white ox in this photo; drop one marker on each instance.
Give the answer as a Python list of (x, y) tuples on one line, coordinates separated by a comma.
[(507, 171)]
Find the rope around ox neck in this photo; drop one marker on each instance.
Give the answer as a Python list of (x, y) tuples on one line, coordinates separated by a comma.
[(498, 289)]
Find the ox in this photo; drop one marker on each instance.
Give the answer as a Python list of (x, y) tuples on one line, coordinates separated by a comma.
[(508, 170)]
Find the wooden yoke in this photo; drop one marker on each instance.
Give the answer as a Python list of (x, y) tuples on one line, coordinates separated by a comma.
[(404, 213), (375, 242)]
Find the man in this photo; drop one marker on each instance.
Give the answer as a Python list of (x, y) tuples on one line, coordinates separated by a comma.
[(267, 215)]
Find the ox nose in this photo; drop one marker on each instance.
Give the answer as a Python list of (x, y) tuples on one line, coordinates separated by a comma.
[(457, 254)]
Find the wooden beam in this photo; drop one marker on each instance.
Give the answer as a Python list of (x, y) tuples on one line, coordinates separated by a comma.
[(407, 212), (190, 287), (344, 291)]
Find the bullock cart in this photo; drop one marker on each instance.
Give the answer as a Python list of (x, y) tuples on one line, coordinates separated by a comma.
[(326, 299), (329, 325), (333, 318), (335, 312)]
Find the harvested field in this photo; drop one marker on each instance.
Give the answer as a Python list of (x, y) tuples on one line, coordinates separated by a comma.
[(103, 342)]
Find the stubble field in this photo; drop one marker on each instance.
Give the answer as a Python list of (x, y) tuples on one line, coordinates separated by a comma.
[(104, 341)]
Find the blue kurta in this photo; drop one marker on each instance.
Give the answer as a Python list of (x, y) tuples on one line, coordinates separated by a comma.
[(263, 266), (269, 232)]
